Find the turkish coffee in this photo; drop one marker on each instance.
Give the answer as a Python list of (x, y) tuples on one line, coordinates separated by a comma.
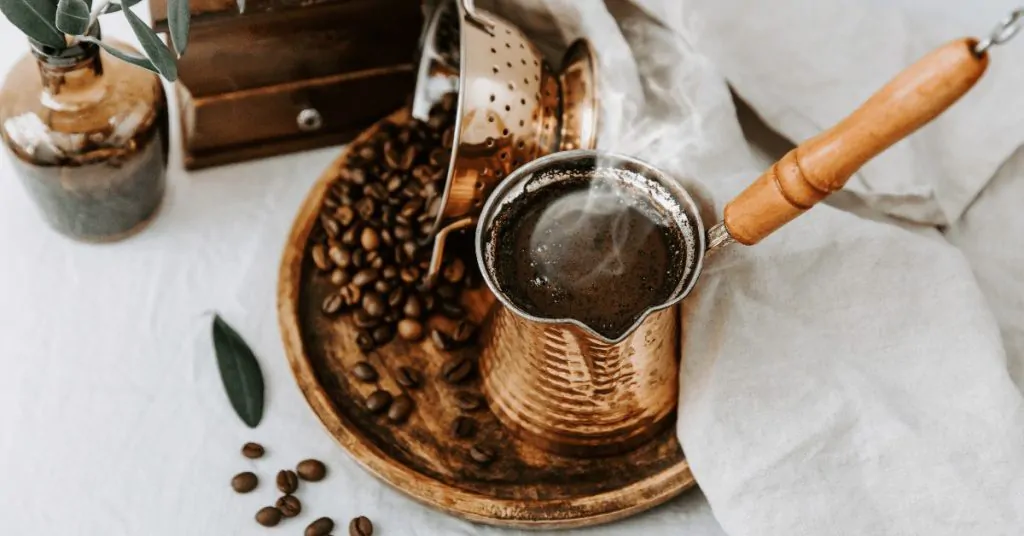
[(593, 247)]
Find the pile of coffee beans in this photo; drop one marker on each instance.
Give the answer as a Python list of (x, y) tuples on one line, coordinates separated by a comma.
[(288, 505), (375, 235)]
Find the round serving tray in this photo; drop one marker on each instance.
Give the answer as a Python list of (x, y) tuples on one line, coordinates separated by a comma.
[(523, 487)]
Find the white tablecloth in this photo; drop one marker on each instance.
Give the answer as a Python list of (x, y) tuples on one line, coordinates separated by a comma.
[(112, 417)]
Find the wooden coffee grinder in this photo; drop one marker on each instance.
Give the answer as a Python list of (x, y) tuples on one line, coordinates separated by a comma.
[(289, 75)]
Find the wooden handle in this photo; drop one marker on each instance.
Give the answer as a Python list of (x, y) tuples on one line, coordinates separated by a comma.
[(823, 164)]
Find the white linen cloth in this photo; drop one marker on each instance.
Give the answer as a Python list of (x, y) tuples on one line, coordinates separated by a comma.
[(846, 376)]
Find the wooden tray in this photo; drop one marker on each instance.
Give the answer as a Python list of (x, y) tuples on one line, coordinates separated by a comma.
[(523, 487)]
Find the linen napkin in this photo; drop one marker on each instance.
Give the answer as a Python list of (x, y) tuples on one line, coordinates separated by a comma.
[(847, 375)]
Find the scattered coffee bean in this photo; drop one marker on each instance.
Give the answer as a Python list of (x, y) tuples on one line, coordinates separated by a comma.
[(410, 330), (365, 372), (409, 274), (396, 298), (311, 470), (467, 401), (400, 409), (364, 341), (363, 319), (370, 240), (287, 481), (360, 526), (252, 450), (374, 305), (268, 516), (350, 294), (463, 427), (330, 225), (320, 258), (365, 277), (378, 401), (340, 277), (382, 334), (457, 370), (345, 215), (383, 287), (464, 331), (289, 506), (320, 527), (332, 304), (244, 482), (481, 454), (409, 377), (440, 340), (412, 307)]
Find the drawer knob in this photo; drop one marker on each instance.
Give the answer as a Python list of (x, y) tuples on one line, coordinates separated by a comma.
[(309, 119)]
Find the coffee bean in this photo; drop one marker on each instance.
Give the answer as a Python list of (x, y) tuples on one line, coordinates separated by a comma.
[(252, 450), (392, 317), (429, 302), (386, 238), (457, 370), (412, 308), (400, 409), (289, 506), (438, 157), (244, 482), (409, 377), (351, 294), (366, 208), (360, 526), (383, 334), (332, 303), (362, 319), (412, 208), (390, 273), (446, 292), (422, 173), (376, 191), (409, 274), (320, 258), (408, 156), (341, 257), (378, 401), (339, 277), (330, 203), (396, 297), (463, 427), (311, 470), (367, 153), (383, 287), (440, 340), (345, 215), (409, 191), (359, 259), (402, 233), (364, 341), (394, 184), (452, 310), (351, 236), (268, 516), (357, 176), (467, 401), (320, 527), (365, 277), (331, 226), (481, 454), (455, 271), (374, 305), (391, 156), (287, 481), (375, 260), (409, 247), (410, 329), (365, 372), (464, 331)]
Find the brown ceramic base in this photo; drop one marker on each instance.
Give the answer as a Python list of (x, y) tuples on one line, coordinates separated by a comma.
[(524, 486)]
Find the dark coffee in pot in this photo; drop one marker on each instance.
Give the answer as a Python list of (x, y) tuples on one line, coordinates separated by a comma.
[(594, 248)]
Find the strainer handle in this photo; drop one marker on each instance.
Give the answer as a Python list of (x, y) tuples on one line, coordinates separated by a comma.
[(474, 16), (823, 164)]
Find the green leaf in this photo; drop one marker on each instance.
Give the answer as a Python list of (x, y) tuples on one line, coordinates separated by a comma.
[(35, 18), (114, 8), (239, 372), (138, 61), (177, 22), (153, 46), (73, 16)]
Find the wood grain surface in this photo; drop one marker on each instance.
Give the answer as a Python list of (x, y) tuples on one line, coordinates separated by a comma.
[(823, 164), (523, 487)]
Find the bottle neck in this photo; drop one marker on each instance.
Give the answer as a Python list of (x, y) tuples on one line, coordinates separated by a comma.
[(71, 78)]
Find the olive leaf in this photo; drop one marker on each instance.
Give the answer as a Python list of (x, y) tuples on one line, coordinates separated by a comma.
[(35, 18), (114, 8), (239, 371), (138, 61), (153, 46), (177, 21), (73, 16)]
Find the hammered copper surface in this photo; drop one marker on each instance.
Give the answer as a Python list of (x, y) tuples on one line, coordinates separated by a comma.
[(569, 392)]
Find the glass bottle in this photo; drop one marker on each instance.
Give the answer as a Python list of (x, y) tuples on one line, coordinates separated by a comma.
[(87, 135)]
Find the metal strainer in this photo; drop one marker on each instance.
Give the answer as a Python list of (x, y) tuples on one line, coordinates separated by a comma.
[(512, 107)]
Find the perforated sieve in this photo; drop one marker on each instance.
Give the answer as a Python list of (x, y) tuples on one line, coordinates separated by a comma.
[(512, 107)]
